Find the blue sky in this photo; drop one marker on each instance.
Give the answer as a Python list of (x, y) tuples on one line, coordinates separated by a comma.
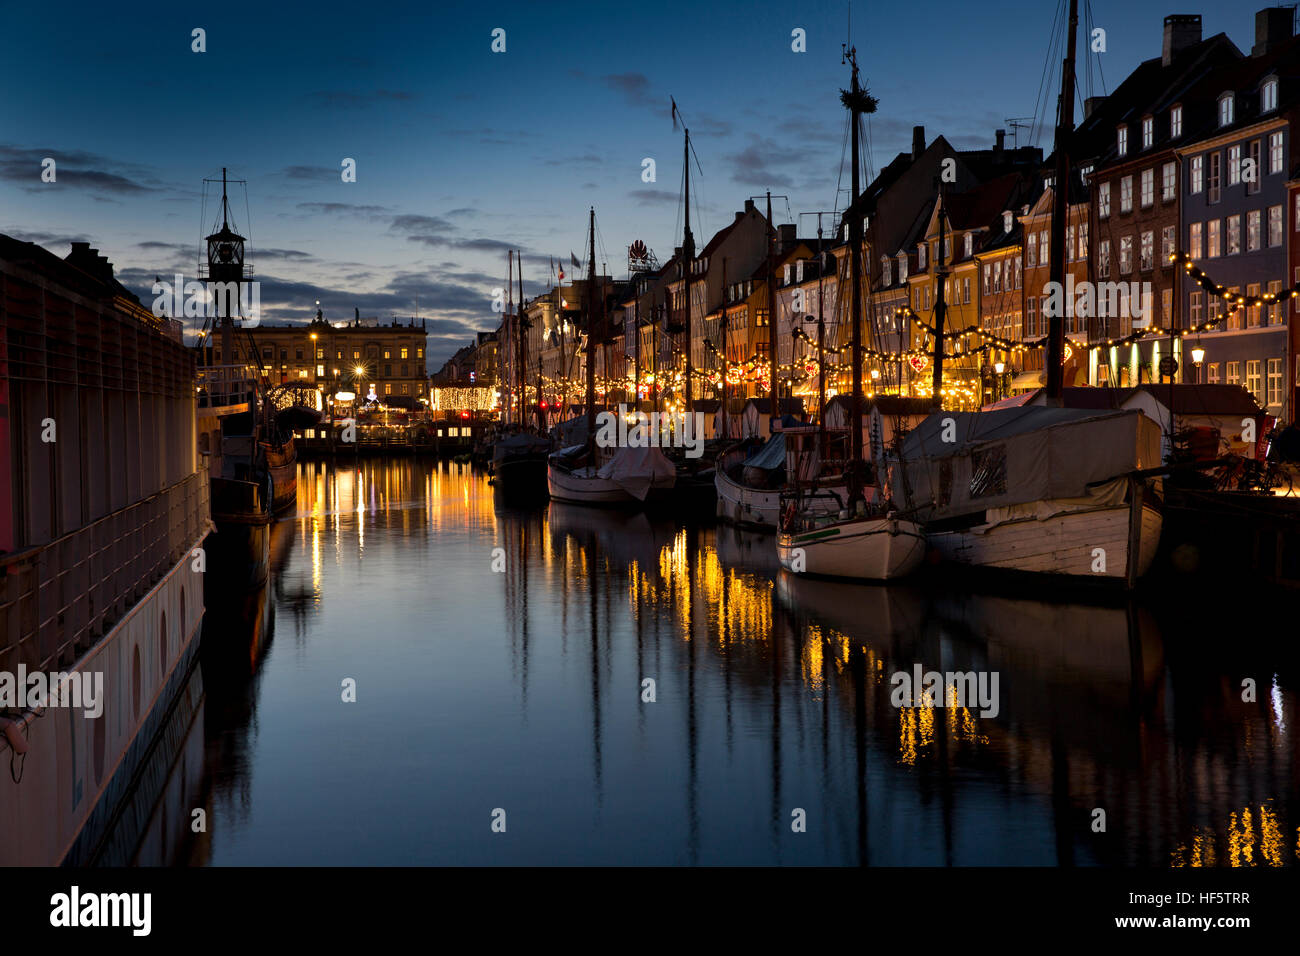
[(462, 153)]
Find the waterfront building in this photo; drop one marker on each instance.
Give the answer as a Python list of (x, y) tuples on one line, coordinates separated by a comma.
[(1027, 366), (362, 356), (1126, 148), (1234, 214), (743, 243)]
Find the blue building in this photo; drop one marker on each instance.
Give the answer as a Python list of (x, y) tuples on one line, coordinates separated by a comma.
[(1233, 217)]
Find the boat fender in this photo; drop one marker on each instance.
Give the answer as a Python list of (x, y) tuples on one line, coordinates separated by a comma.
[(13, 733)]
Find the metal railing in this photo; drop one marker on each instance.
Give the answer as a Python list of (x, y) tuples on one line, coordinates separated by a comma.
[(58, 599), (225, 384)]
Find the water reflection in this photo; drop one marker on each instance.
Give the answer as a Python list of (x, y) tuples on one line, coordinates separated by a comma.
[(502, 654)]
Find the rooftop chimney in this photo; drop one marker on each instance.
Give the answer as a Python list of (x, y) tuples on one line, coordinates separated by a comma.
[(785, 236), (1181, 31), (1272, 26), (1091, 104), (918, 141), (999, 139), (749, 205)]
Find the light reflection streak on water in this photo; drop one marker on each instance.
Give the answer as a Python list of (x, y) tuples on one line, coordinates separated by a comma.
[(772, 690)]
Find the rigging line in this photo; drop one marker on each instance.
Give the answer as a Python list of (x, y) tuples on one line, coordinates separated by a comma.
[(1041, 97), (1101, 74)]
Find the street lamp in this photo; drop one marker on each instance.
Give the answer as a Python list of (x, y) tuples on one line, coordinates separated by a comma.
[(998, 367), (1198, 356)]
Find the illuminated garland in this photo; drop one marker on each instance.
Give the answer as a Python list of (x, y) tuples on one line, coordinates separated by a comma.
[(1210, 286)]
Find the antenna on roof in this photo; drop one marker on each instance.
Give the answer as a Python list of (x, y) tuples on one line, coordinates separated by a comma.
[(1018, 123)]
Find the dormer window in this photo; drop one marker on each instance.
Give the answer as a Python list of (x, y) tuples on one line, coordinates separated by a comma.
[(1148, 132), (1121, 141), (1175, 122), (902, 267), (1006, 221), (1268, 95), (1226, 109), (968, 244), (886, 270), (920, 256)]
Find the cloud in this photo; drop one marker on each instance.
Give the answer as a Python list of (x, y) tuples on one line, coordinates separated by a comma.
[(310, 172), (635, 87), (587, 159), (76, 169), (342, 209), (437, 233), (343, 99), (650, 197), (761, 163)]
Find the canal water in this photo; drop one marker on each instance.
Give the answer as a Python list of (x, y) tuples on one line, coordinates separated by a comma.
[(501, 655)]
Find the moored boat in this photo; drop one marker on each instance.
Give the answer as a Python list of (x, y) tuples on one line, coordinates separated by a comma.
[(1039, 490), (632, 477)]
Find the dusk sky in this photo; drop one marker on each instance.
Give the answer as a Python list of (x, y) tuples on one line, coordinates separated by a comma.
[(463, 153)]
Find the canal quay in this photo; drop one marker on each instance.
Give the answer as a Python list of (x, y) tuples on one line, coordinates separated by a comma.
[(521, 689)]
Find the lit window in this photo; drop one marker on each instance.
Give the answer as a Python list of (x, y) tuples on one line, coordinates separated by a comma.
[(1103, 259), (1233, 236), (1148, 187), (1274, 393), (1121, 141), (1275, 152), (1252, 230), (1031, 247), (1103, 201), (1268, 96), (1166, 245), (1148, 132), (1168, 190), (1275, 225), (1125, 255), (1234, 165), (1194, 240), (1126, 194), (1198, 174), (1212, 177), (1147, 251), (1225, 109), (1175, 122), (1212, 247)]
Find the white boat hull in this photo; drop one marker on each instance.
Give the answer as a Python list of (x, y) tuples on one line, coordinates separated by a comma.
[(868, 549), (565, 486), (742, 505), (1093, 544)]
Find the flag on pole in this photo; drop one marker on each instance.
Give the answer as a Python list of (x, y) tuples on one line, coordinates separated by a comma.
[(674, 102), (574, 260)]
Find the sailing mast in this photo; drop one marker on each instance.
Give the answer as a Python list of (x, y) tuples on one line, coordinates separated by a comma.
[(688, 251), (772, 389), (523, 344), (591, 344), (940, 313), (1060, 210), (853, 476)]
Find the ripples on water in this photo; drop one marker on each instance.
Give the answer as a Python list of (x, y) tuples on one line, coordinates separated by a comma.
[(521, 689)]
